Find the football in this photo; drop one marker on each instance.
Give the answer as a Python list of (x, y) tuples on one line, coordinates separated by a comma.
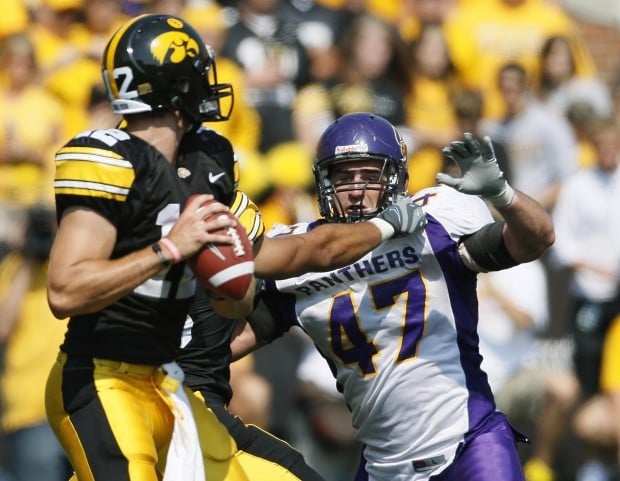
[(225, 269)]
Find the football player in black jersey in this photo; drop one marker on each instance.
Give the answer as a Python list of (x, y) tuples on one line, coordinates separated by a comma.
[(117, 265), (206, 356)]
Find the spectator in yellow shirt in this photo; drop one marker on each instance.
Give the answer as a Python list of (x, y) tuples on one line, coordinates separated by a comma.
[(483, 36), (31, 127), (14, 18), (74, 81), (430, 112), (243, 128), (31, 335)]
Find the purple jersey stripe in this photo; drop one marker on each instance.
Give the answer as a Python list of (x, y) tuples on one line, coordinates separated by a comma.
[(461, 283)]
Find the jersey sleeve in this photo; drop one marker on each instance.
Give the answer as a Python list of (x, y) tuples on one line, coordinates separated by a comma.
[(248, 214), (93, 171), (267, 319), (460, 214)]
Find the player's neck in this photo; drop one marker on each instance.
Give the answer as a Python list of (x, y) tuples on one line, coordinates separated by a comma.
[(162, 132)]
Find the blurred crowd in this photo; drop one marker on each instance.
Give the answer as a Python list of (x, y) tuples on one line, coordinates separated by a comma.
[(517, 70)]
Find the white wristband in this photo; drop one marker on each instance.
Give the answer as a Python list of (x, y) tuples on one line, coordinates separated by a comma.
[(504, 199), (387, 230)]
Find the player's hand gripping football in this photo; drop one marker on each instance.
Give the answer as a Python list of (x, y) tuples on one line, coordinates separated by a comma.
[(404, 216), (480, 173), (198, 224)]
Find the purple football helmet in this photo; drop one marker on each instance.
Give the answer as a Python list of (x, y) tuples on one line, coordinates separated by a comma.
[(355, 137)]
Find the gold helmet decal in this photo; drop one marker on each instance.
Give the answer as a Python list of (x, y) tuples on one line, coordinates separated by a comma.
[(174, 46)]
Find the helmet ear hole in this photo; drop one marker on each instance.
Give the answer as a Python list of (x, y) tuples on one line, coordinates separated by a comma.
[(175, 102), (183, 86)]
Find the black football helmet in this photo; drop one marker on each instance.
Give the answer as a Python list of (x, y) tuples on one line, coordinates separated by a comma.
[(355, 137), (156, 62)]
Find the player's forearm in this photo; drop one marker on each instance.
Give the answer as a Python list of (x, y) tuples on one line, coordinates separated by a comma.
[(91, 285), (327, 247), (528, 230), (244, 340), (345, 245)]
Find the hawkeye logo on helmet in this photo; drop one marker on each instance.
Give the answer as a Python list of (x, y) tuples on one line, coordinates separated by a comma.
[(174, 47), (351, 149)]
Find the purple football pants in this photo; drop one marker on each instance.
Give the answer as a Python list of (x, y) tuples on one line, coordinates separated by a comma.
[(488, 456)]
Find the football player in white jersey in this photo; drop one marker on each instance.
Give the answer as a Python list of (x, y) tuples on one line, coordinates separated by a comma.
[(398, 327)]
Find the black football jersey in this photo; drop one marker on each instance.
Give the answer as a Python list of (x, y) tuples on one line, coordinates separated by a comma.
[(130, 183), (206, 163), (206, 355)]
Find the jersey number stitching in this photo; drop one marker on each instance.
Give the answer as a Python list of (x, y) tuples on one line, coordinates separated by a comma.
[(349, 341)]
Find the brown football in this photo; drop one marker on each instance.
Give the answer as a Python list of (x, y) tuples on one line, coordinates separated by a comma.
[(225, 269)]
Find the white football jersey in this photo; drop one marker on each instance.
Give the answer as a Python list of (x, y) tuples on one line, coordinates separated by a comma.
[(399, 328)]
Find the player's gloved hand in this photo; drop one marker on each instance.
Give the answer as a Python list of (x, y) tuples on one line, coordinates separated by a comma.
[(401, 218), (480, 173)]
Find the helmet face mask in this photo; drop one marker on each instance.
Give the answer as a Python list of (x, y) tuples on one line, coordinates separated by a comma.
[(157, 62), (361, 138)]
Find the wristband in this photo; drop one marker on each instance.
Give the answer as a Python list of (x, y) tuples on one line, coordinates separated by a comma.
[(162, 258), (387, 230), (504, 199), (176, 255)]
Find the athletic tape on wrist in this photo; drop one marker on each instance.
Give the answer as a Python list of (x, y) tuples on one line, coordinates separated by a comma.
[(387, 230), (504, 199)]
